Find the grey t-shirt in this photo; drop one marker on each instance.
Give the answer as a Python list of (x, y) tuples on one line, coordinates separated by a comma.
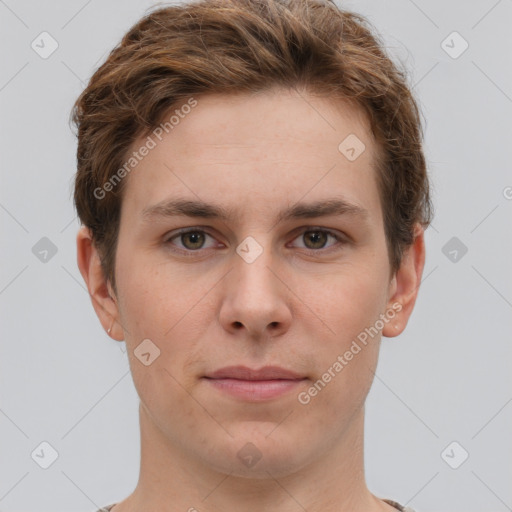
[(390, 502)]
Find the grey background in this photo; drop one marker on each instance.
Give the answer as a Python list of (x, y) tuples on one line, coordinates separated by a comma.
[(447, 378)]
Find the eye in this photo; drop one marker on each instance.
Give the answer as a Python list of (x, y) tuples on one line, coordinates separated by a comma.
[(316, 238), (191, 240), (194, 239)]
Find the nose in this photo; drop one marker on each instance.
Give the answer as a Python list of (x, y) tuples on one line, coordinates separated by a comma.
[(255, 298)]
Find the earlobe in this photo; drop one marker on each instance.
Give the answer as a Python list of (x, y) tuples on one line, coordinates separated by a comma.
[(99, 289), (405, 285)]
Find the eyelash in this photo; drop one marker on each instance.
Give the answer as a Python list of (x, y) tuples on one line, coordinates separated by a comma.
[(191, 252)]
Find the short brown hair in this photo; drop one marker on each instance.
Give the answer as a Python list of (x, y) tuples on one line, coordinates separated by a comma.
[(237, 46)]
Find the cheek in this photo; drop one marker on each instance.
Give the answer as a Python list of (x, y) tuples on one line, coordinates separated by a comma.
[(167, 307), (155, 296), (344, 362), (345, 301), (346, 312)]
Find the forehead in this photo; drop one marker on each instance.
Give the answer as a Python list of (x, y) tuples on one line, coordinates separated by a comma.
[(272, 118), (255, 149)]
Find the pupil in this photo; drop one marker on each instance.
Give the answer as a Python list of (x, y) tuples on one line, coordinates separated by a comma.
[(316, 235), (195, 238)]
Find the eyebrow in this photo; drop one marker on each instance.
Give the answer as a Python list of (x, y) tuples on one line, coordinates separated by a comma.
[(201, 209)]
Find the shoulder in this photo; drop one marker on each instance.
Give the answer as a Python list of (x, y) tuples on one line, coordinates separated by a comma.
[(398, 506)]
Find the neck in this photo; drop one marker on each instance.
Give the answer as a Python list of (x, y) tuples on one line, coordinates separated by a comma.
[(171, 480)]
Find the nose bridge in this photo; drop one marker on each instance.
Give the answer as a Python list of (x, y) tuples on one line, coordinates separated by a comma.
[(254, 298), (252, 267)]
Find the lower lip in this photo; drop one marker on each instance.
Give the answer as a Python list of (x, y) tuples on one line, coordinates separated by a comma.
[(255, 390)]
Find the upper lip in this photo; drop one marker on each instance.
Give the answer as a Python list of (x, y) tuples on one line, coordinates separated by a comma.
[(245, 373)]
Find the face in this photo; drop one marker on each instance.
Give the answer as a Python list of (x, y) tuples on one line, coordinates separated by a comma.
[(254, 306)]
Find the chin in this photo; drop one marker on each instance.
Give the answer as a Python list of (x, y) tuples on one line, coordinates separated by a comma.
[(259, 451)]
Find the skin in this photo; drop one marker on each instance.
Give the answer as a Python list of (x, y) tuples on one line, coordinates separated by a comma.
[(299, 305)]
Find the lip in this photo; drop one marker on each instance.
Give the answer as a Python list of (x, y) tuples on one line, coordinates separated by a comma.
[(245, 373), (254, 384)]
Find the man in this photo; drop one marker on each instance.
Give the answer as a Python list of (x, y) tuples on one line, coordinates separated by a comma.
[(253, 195)]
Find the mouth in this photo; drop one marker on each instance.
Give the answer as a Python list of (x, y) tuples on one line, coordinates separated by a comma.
[(254, 385)]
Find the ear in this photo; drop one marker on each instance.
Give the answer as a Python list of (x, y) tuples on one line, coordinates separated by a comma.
[(405, 285), (101, 293)]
